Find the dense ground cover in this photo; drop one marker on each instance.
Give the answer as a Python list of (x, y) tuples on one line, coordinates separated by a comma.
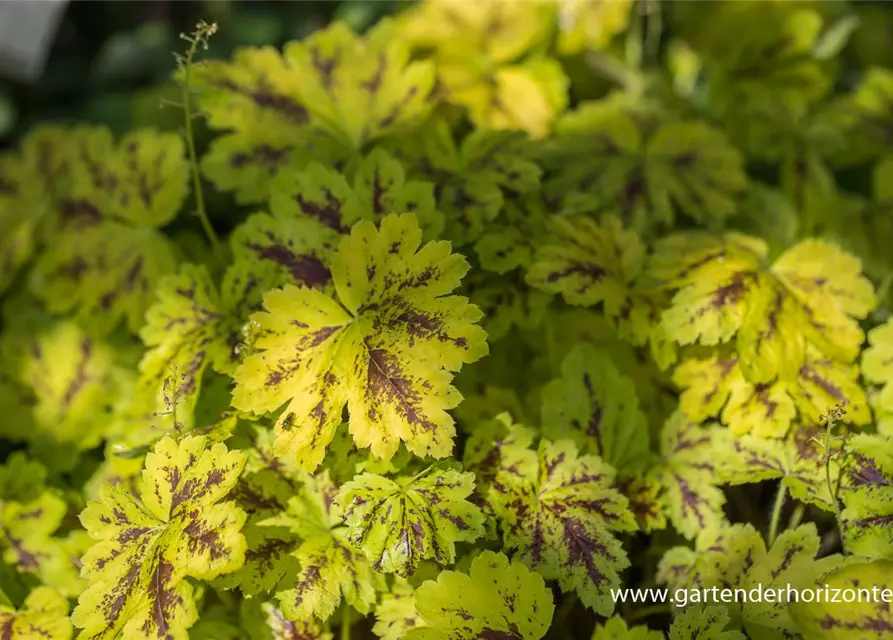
[(449, 326)]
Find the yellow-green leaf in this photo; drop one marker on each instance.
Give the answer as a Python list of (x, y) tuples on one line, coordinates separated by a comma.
[(386, 347), (398, 523), (146, 548), (496, 598)]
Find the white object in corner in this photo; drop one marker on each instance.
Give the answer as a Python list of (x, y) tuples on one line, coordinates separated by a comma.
[(27, 29)]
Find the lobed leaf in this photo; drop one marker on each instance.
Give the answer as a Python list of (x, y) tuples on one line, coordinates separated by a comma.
[(330, 566), (700, 621), (386, 348), (736, 556), (609, 157), (863, 617), (798, 459), (597, 407), (496, 598), (561, 514), (867, 492), (44, 614), (398, 523), (181, 527)]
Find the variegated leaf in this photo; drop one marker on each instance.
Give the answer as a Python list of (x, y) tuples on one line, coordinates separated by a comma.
[(562, 515), (146, 548), (497, 598), (398, 523), (386, 347)]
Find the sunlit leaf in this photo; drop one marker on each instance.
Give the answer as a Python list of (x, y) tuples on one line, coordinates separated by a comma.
[(146, 548), (400, 522), (496, 598), (330, 567), (864, 617), (867, 495), (737, 557), (386, 348)]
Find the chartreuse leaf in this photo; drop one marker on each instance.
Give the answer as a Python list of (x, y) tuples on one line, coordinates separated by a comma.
[(716, 386), (485, 444), (813, 292), (615, 628), (284, 249), (107, 260), (608, 157), (703, 622), (361, 88), (36, 193), (596, 262), (591, 262), (561, 514), (867, 494), (865, 616), (262, 493), (379, 186), (470, 177), (686, 472), (736, 557), (146, 548), (281, 628), (398, 523), (43, 615), (497, 598), (256, 95), (17, 229), (107, 272), (877, 369), (866, 116), (597, 407), (502, 32), (396, 614), (798, 459), (330, 567), (30, 513), (386, 348), (323, 99), (71, 378), (194, 324), (477, 50), (711, 275), (584, 26)]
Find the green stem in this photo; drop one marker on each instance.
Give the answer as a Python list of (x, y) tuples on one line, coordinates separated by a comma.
[(829, 425), (776, 512), (796, 517), (345, 623), (200, 210)]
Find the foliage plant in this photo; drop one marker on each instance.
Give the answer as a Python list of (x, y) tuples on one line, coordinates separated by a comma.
[(455, 326)]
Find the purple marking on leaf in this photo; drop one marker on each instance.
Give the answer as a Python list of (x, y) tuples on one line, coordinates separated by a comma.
[(306, 268)]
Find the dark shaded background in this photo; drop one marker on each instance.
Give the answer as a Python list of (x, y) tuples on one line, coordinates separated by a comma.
[(111, 62)]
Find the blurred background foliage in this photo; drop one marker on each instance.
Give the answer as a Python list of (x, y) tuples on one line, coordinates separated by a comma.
[(111, 62)]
